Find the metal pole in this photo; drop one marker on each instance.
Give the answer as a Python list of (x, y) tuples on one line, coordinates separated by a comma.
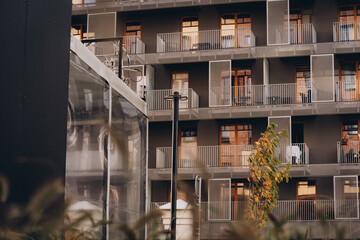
[(120, 57), (176, 98)]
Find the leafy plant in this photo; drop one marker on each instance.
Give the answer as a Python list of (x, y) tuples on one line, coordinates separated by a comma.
[(265, 175)]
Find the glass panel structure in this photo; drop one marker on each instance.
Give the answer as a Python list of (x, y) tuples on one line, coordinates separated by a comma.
[(346, 197), (219, 83), (134, 77), (278, 22), (322, 75), (284, 150), (219, 207), (101, 25), (106, 150)]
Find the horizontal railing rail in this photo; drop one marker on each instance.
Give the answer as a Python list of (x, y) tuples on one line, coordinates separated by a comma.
[(348, 151), (223, 156), (205, 40), (348, 90), (156, 99), (346, 31), (289, 209)]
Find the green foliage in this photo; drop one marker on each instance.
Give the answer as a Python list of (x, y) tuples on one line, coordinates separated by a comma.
[(265, 175)]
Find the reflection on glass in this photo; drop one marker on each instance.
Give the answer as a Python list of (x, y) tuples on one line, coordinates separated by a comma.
[(93, 152)]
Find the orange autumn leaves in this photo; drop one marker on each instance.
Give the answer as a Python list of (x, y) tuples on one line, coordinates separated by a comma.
[(265, 175)]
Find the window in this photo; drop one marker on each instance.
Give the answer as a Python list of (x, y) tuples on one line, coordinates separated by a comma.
[(188, 147), (180, 83), (303, 83), (241, 82), (235, 30), (235, 143), (349, 75), (133, 28), (306, 190), (78, 31), (190, 33), (348, 27), (350, 129), (297, 132), (237, 134), (239, 195)]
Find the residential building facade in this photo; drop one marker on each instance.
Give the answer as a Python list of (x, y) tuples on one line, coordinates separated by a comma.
[(243, 64)]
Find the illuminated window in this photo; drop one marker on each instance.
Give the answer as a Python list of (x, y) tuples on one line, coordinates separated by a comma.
[(133, 28), (241, 82), (306, 190), (79, 31)]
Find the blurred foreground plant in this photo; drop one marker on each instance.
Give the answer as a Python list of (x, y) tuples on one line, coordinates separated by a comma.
[(265, 175)]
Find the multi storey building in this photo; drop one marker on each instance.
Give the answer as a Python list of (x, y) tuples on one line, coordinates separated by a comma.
[(243, 64)]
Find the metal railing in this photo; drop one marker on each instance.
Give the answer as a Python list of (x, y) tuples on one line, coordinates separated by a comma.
[(290, 209), (205, 156), (298, 33), (347, 90), (205, 40), (272, 94), (346, 31), (302, 33), (348, 152), (156, 101), (132, 45), (223, 156)]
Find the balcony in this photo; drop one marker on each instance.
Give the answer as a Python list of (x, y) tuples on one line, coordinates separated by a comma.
[(224, 156), (346, 31), (301, 33), (348, 91), (85, 6), (205, 40), (293, 210), (107, 50), (272, 94), (348, 153), (156, 99)]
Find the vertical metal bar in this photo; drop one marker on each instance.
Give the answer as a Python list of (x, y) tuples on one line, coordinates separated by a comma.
[(176, 98), (121, 40)]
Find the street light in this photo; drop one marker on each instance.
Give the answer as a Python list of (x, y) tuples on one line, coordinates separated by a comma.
[(176, 97)]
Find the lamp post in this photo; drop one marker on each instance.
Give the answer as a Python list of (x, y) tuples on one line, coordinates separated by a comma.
[(176, 97)]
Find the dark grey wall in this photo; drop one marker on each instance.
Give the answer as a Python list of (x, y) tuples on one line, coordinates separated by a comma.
[(34, 73), (322, 14), (207, 133), (324, 188)]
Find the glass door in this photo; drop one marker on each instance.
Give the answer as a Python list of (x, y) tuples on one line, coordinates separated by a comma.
[(240, 196), (188, 148), (348, 28), (241, 85), (303, 83), (349, 84), (235, 147), (180, 83), (349, 144), (190, 33)]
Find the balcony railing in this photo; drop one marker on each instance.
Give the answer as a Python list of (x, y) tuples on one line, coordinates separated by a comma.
[(272, 94), (132, 45), (348, 152), (346, 31), (298, 34), (302, 33), (156, 101), (290, 209), (223, 156), (348, 91), (205, 40)]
